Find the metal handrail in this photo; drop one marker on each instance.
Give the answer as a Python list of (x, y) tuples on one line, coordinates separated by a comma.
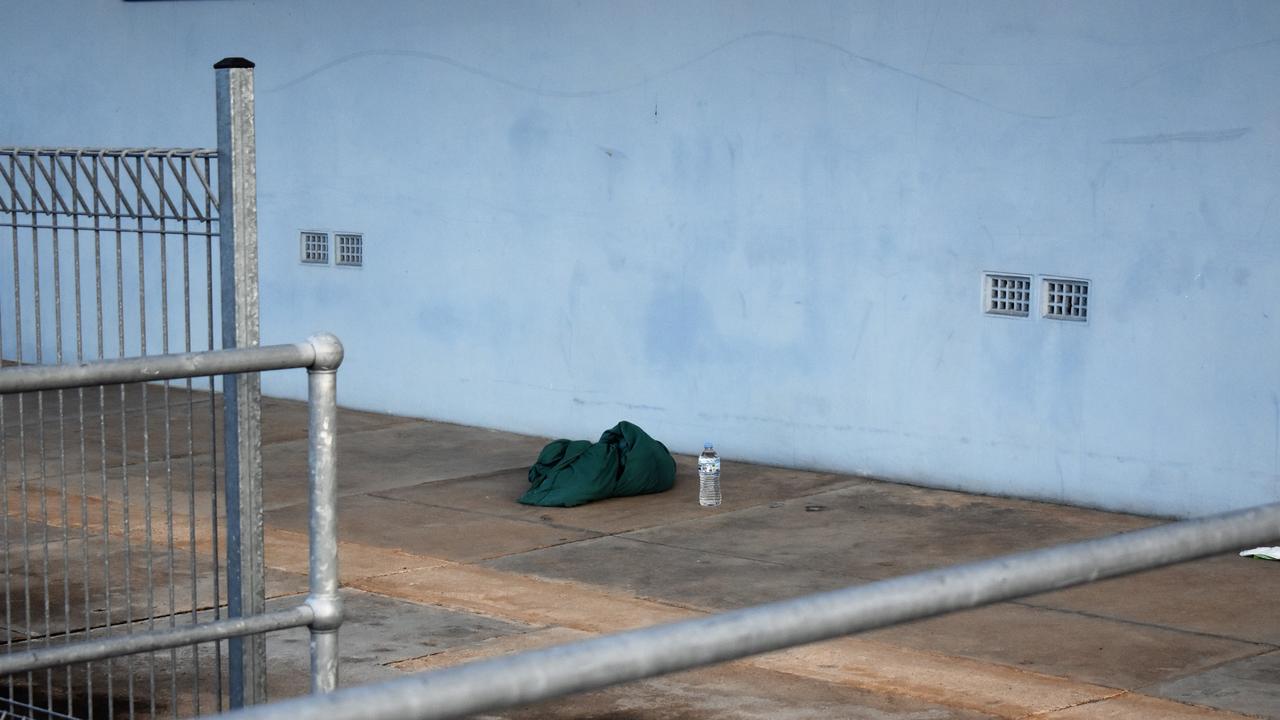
[(120, 645), (321, 611), (592, 664), (150, 368)]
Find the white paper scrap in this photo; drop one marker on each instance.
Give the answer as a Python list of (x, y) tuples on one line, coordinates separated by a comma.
[(1266, 553)]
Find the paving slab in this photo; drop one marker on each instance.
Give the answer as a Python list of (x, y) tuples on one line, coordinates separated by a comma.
[(439, 532), (41, 453), (157, 487), (377, 632), (885, 678), (134, 430), (1090, 649), (877, 667), (290, 551), (691, 578), (1132, 706), (94, 691), (138, 443), (735, 690), (395, 457), (17, 534), (31, 408), (1218, 596), (386, 456), (16, 548), (524, 599), (140, 576), (752, 485), (535, 639), (889, 669), (877, 530), (1249, 685), (735, 693), (284, 420), (861, 530), (1096, 650)]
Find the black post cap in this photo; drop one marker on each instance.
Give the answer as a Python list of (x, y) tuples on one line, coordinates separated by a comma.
[(232, 62)]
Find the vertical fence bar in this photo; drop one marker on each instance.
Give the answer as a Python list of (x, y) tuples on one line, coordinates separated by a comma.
[(101, 207), (214, 554), (143, 424), (23, 500), (122, 351), (9, 630), (12, 208), (322, 468), (84, 464), (62, 447), (168, 446), (191, 449), (238, 225), (4, 459), (50, 209)]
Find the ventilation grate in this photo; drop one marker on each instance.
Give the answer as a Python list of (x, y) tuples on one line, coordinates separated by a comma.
[(315, 248), (350, 249), (1065, 299), (1008, 295)]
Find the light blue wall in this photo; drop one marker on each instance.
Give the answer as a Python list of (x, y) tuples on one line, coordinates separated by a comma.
[(759, 223)]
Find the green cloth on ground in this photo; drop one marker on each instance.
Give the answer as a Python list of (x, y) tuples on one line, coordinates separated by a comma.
[(626, 461)]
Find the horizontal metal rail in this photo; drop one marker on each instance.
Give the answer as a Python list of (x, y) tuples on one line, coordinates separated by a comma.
[(113, 152), (152, 640), (29, 378), (597, 663), (132, 231)]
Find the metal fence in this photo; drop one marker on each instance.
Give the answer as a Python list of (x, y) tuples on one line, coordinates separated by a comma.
[(63, 664), (133, 504), (588, 665), (92, 233)]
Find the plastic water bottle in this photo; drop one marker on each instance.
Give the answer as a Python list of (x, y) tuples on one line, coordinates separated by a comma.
[(708, 477)]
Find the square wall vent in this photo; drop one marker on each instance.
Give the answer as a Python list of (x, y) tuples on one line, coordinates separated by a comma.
[(350, 248), (314, 248), (1008, 295), (1064, 299)]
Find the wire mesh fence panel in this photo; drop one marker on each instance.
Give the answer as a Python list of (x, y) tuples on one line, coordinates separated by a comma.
[(113, 518)]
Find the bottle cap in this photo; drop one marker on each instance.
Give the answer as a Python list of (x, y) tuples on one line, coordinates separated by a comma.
[(706, 446)]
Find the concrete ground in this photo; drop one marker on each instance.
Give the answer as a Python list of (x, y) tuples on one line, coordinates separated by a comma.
[(441, 566)]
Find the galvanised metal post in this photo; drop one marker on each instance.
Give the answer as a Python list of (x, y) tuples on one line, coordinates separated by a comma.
[(238, 223), (322, 381)]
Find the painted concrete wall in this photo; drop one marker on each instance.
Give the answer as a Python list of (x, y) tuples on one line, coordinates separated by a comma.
[(763, 224)]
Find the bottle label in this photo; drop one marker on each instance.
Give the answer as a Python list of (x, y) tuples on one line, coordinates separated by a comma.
[(709, 466)]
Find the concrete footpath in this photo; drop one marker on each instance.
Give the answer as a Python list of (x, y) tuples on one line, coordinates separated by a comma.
[(441, 566)]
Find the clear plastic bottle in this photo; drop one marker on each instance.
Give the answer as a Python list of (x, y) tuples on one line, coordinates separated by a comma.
[(708, 477)]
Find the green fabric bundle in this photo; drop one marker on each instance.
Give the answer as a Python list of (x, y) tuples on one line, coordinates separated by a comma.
[(626, 461)]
